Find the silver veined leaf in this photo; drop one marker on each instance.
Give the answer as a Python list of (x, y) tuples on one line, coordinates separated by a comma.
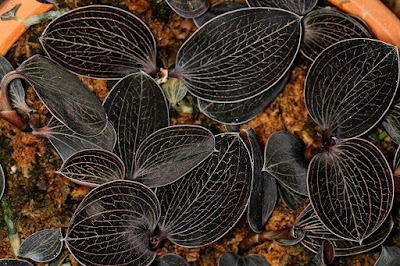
[(300, 7), (42, 246), (215, 10), (231, 59), (2, 181), (206, 203), (230, 258), (16, 90), (170, 260), (170, 153), (390, 256), (189, 8), (325, 254), (316, 232), (264, 193), (391, 121), (351, 85), (13, 262), (291, 199), (93, 167), (324, 27), (241, 112), (66, 97), (136, 106), (396, 160), (112, 225), (100, 41), (351, 188), (67, 142), (284, 159)]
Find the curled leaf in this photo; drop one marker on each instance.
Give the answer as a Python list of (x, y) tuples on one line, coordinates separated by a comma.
[(291, 199), (353, 82), (42, 246), (112, 225), (67, 142), (351, 189), (170, 153), (137, 107), (100, 41), (325, 254), (189, 8), (300, 7), (391, 121), (230, 258), (264, 191), (231, 59), (324, 27), (206, 203), (390, 256), (2, 182), (66, 97), (93, 167), (283, 158)]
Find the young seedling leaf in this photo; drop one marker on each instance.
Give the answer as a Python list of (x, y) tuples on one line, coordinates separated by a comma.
[(230, 258), (231, 59), (137, 107), (100, 41), (390, 256), (216, 10), (283, 158), (2, 182), (300, 7), (391, 121), (204, 205), (13, 262), (241, 112), (170, 260), (264, 191), (42, 246), (324, 27), (67, 142), (66, 97), (325, 254), (351, 85), (351, 188), (316, 232), (170, 153), (292, 200), (189, 8), (93, 167), (112, 225)]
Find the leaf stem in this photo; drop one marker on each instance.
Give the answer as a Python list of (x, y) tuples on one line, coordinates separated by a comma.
[(12, 229), (254, 238)]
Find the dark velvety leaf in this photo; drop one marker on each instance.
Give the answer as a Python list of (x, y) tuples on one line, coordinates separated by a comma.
[(351, 85), (230, 259), (300, 7), (93, 167), (66, 97), (112, 225), (15, 89), (136, 106), (215, 10), (325, 254), (316, 232), (351, 188), (241, 112), (2, 181), (324, 27), (284, 159), (292, 200), (171, 260), (231, 59), (264, 191), (42, 246), (46, 1), (13, 262), (390, 256), (100, 41), (189, 8), (170, 153), (391, 121), (204, 205), (66, 142)]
